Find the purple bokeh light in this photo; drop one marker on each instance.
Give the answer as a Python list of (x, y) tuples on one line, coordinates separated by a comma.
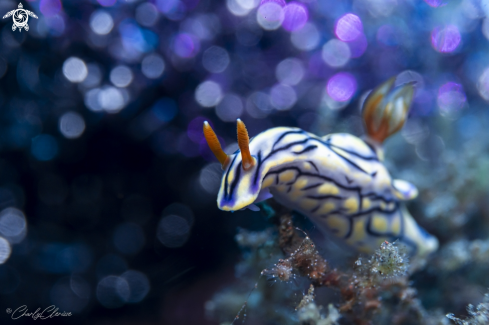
[(445, 40), (342, 86), (186, 45), (106, 3), (50, 8), (295, 16), (349, 27), (358, 46), (281, 3), (435, 3)]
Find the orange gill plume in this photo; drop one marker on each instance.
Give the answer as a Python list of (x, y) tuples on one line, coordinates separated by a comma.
[(385, 110), (214, 145), (244, 146)]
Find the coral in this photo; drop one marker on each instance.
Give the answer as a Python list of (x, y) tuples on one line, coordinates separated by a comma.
[(374, 290), (386, 262), (478, 315), (459, 253), (309, 313), (252, 239)]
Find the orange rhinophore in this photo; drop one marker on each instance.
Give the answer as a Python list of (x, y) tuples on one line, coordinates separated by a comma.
[(214, 145), (385, 109), (244, 146)]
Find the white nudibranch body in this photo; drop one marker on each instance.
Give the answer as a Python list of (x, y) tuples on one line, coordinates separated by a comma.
[(338, 180)]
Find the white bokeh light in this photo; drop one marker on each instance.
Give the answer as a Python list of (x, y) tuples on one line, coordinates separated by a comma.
[(270, 15), (290, 71), (111, 99), (147, 14), (5, 250), (121, 76), (210, 178), (336, 53), (208, 94), (248, 4), (94, 76), (236, 9), (101, 22), (71, 125), (91, 100), (153, 66), (283, 97), (230, 108), (215, 59), (483, 84), (307, 38), (13, 225), (74, 69), (258, 105)]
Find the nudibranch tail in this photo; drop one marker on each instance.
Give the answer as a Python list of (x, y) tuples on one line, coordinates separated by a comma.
[(385, 109), (214, 145), (244, 146)]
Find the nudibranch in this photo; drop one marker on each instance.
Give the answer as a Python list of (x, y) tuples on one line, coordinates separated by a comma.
[(338, 180)]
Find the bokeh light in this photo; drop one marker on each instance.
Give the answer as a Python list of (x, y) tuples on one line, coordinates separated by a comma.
[(173, 231), (208, 94), (106, 3), (75, 70), (483, 84), (341, 87), (71, 125), (258, 105), (186, 45), (210, 178), (282, 97), (111, 99), (446, 39), (13, 225), (113, 291), (435, 3), (101, 22), (349, 27), (121, 76), (295, 16), (451, 98), (153, 66), (5, 250), (147, 14), (336, 53), (138, 284), (50, 8), (44, 147), (215, 59), (358, 46), (290, 71), (270, 15), (229, 108), (307, 38), (236, 8)]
